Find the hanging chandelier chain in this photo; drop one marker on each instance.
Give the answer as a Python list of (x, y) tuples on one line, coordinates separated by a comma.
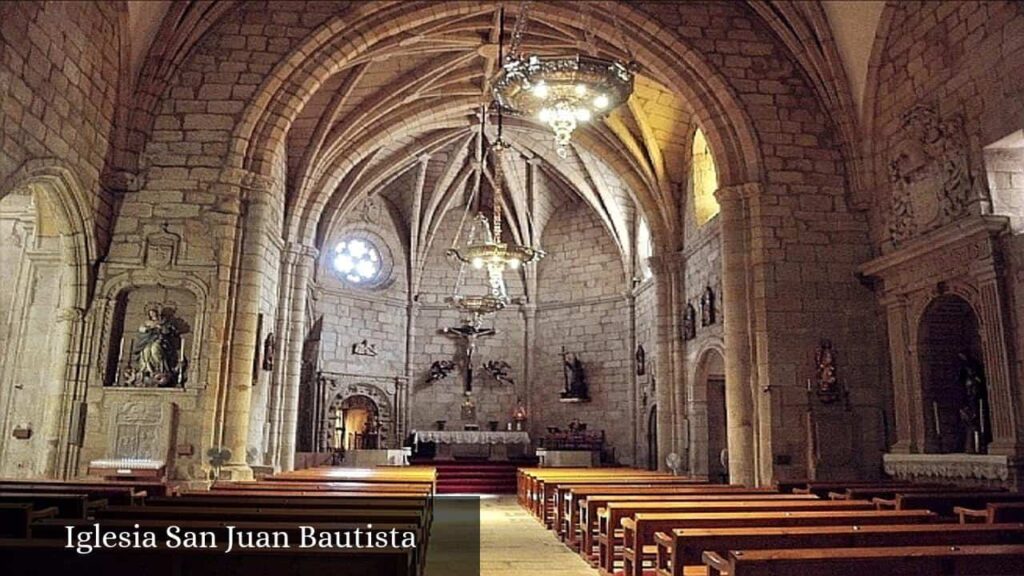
[(519, 30), (498, 177), (623, 38)]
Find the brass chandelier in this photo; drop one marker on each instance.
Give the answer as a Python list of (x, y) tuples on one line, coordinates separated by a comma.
[(480, 245), (560, 91)]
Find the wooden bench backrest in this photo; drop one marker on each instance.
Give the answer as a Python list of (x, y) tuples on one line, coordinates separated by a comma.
[(1002, 560)]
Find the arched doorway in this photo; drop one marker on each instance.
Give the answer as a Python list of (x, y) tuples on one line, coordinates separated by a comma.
[(949, 350), (713, 372), (31, 378), (354, 423), (652, 439)]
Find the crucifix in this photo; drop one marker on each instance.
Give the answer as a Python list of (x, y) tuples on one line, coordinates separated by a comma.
[(469, 331)]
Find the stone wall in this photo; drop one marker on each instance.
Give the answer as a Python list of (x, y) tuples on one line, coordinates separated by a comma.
[(59, 76), (583, 306)]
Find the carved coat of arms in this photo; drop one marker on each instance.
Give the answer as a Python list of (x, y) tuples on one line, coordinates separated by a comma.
[(929, 169)]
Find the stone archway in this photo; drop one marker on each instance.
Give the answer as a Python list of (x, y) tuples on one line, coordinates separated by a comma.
[(948, 328), (56, 257), (710, 379), (352, 422)]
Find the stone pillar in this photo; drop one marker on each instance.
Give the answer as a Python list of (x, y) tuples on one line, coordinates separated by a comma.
[(529, 311), (662, 270), (72, 321), (304, 260), (738, 389), (1003, 403), (412, 315), (909, 422)]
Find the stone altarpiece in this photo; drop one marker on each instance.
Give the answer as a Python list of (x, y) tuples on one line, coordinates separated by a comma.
[(124, 419), (942, 243)]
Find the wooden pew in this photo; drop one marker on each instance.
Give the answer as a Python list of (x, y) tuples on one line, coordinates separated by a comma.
[(568, 497), (999, 560), (546, 491), (256, 513), (538, 494), (613, 515), (943, 503), (16, 518), (639, 530), (418, 488), (67, 505), (822, 487), (588, 522), (149, 487), (40, 557), (889, 492), (112, 494), (993, 513), (680, 549)]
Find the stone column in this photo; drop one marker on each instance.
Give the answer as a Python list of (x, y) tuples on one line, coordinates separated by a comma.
[(240, 344), (529, 311), (662, 270), (304, 258), (73, 324), (1002, 401), (909, 422), (738, 391)]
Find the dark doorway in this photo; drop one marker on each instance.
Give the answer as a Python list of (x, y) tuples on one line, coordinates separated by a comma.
[(948, 339)]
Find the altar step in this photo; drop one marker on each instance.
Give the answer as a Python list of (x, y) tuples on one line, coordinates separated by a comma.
[(475, 476)]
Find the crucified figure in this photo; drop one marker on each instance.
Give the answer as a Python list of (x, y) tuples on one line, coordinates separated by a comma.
[(469, 332)]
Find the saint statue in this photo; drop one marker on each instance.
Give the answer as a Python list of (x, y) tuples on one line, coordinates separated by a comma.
[(975, 412), (156, 358), (707, 307), (690, 323), (575, 377), (825, 366)]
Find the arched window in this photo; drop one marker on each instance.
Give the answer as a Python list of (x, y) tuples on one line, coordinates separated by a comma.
[(644, 247), (705, 180)]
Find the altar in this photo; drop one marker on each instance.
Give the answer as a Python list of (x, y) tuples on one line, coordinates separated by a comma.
[(493, 445)]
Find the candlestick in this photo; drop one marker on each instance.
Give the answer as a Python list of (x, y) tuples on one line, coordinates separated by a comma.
[(938, 425)]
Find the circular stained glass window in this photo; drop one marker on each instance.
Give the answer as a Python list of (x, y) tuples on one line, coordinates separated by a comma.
[(358, 261)]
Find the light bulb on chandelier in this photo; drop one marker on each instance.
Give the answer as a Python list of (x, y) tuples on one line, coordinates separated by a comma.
[(560, 91)]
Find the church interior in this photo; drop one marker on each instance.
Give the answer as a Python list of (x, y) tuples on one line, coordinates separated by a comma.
[(661, 287)]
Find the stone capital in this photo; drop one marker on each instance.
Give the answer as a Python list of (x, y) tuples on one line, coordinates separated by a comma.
[(298, 249), (737, 192)]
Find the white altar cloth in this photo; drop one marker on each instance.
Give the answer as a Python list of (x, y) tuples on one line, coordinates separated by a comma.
[(471, 437)]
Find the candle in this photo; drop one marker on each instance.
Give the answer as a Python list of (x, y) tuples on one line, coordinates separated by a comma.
[(935, 411), (120, 355)]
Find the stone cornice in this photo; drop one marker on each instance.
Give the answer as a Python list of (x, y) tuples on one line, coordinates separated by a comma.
[(940, 240)]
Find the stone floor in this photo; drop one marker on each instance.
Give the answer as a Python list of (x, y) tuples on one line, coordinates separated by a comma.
[(512, 542)]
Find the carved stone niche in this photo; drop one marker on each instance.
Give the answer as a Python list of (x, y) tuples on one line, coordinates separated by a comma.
[(166, 318), (961, 260)]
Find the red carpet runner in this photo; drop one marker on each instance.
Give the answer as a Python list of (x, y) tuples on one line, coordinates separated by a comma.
[(475, 476)]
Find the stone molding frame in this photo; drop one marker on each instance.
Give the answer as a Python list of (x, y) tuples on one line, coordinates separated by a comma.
[(386, 393), (964, 259), (973, 468), (117, 286)]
